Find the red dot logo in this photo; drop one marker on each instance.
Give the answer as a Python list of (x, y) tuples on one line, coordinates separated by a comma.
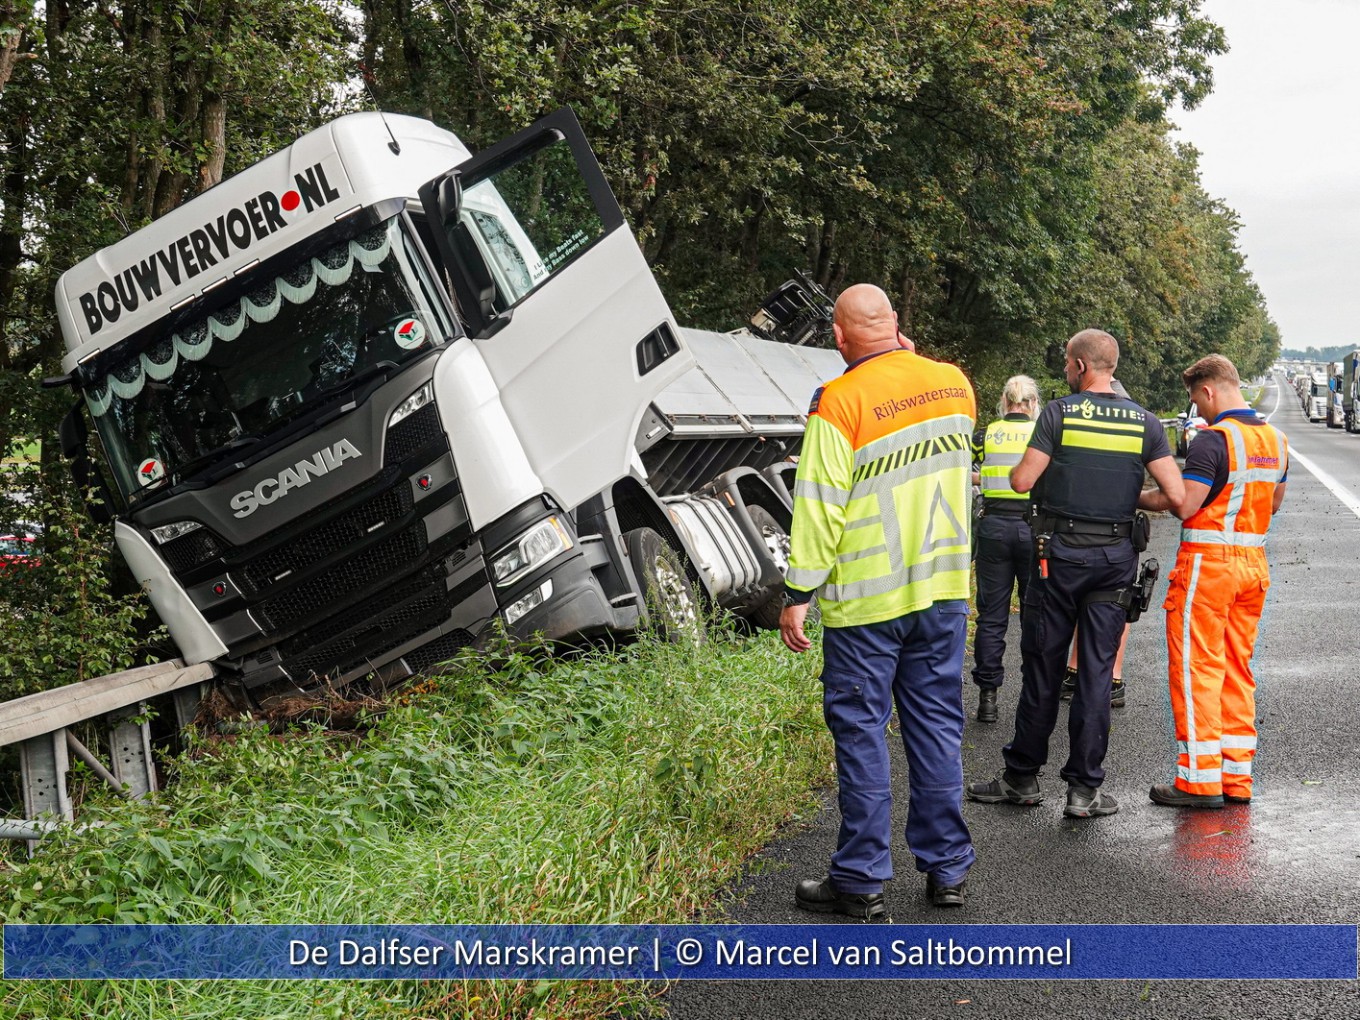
[(290, 201)]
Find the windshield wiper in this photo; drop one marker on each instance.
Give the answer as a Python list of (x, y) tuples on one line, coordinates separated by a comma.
[(382, 368), (275, 433), (187, 470)]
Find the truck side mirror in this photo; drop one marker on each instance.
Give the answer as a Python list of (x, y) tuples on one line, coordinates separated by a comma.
[(449, 196)]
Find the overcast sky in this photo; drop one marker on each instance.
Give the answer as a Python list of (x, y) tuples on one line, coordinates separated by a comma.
[(1279, 142)]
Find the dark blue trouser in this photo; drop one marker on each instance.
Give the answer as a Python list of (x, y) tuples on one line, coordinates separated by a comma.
[(1053, 608), (917, 662), (1004, 549)]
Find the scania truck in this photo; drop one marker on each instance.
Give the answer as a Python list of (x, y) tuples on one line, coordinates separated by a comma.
[(373, 394)]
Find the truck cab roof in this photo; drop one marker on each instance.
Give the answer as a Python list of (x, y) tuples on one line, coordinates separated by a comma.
[(352, 162)]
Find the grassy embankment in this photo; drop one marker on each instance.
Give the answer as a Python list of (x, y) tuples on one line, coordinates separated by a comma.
[(624, 786)]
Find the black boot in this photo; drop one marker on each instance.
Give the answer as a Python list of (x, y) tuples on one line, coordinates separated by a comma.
[(986, 704), (821, 896)]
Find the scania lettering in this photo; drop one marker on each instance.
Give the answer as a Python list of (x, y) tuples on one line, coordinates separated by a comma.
[(245, 503), (359, 413)]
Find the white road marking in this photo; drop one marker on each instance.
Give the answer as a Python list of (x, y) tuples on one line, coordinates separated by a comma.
[(1351, 501), (1276, 387), (1348, 498)]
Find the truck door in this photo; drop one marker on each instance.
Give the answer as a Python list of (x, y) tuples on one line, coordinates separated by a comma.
[(556, 295)]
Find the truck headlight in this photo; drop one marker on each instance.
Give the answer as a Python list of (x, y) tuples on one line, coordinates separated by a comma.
[(533, 600), (169, 532), (536, 546), (413, 403)]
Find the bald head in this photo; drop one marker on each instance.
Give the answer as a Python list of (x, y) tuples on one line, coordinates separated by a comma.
[(1095, 348), (865, 322)]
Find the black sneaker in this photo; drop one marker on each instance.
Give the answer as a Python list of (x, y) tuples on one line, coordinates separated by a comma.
[(820, 896), (1117, 694), (1069, 685), (946, 895), (1174, 796), (1008, 786), (986, 711), (1086, 802)]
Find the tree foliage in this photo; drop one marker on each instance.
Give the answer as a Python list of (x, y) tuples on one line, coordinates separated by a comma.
[(975, 158)]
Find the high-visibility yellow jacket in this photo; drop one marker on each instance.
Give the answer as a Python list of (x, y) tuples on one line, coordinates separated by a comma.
[(880, 518), (1002, 445)]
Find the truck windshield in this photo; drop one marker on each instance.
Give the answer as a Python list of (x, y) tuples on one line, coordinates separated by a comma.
[(228, 378)]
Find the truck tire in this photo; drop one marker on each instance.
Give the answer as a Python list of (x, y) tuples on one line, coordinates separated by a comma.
[(673, 608), (776, 542)]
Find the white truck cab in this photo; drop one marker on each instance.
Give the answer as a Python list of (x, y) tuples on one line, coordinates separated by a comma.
[(373, 394)]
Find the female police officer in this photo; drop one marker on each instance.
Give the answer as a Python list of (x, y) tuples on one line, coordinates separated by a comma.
[(1003, 537)]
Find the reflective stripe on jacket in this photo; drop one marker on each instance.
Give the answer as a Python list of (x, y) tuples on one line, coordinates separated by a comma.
[(1003, 444), (1240, 515), (1097, 469), (880, 520)]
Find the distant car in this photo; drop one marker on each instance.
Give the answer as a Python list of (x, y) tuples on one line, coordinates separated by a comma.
[(1186, 426), (18, 551)]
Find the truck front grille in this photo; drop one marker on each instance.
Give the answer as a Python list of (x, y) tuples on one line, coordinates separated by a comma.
[(398, 615), (327, 590), (413, 433), (437, 651), (337, 534), (188, 551)]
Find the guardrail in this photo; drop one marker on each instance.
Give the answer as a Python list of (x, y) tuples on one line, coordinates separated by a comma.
[(40, 725)]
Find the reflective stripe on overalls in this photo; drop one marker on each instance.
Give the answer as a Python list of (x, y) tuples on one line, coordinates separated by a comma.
[(1214, 601)]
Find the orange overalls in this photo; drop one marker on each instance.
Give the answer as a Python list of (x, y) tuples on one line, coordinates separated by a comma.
[(1214, 600)]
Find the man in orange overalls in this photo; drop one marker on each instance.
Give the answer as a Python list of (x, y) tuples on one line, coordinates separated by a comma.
[(1234, 482)]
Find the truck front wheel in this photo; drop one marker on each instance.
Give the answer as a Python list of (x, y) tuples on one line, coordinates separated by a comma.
[(668, 593)]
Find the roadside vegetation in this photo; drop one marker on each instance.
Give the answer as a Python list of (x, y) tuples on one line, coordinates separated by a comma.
[(619, 786)]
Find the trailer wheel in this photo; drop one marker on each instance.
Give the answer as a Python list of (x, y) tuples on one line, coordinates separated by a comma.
[(776, 541), (672, 604)]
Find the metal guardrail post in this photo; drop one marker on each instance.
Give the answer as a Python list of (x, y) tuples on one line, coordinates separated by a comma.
[(38, 724), (95, 765), (130, 751), (44, 764)]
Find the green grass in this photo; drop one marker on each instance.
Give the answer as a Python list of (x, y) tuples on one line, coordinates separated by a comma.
[(624, 786)]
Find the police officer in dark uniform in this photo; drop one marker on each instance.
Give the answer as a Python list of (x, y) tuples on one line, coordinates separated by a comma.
[(1085, 464)]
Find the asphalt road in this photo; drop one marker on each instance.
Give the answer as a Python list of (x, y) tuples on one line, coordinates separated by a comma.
[(1291, 856)]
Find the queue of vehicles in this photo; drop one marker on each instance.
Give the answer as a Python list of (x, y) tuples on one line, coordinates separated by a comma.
[(1328, 393)]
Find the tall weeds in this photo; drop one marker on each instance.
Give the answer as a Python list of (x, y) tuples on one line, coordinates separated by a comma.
[(623, 786)]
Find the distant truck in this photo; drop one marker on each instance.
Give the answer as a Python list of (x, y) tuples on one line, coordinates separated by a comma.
[(1349, 384), (1335, 408), (1313, 394), (374, 395)]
